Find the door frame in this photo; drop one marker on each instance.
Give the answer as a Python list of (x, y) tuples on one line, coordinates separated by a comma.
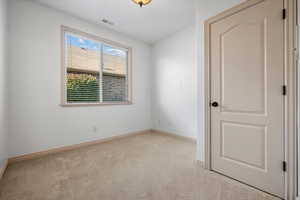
[(290, 74)]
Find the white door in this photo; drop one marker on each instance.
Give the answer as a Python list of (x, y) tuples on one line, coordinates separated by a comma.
[(247, 116)]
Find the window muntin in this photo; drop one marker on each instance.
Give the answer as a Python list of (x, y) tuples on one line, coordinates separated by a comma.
[(95, 71)]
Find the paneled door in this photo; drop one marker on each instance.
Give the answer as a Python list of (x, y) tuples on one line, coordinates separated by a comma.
[(247, 102)]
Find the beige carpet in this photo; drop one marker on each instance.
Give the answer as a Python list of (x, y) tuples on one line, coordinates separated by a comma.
[(144, 167)]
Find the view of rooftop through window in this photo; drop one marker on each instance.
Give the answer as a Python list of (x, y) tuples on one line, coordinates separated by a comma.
[(96, 72), (93, 45)]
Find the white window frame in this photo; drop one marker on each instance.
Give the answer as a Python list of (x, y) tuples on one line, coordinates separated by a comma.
[(64, 31)]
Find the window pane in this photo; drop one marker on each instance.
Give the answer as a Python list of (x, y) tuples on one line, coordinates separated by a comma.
[(83, 65), (114, 74), (94, 72)]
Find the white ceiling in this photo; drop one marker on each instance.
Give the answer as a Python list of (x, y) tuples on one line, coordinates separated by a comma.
[(151, 23)]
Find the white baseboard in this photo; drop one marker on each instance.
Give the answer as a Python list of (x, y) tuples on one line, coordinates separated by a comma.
[(76, 146), (194, 140), (3, 168), (71, 147)]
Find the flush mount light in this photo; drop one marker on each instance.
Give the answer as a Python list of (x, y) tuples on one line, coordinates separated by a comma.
[(142, 2)]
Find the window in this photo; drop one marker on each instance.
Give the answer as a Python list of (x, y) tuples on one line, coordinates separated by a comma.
[(95, 71)]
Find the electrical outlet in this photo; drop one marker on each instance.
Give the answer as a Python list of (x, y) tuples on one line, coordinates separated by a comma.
[(95, 129)]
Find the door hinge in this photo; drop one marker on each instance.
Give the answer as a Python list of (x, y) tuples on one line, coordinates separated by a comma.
[(284, 166), (284, 90), (284, 13)]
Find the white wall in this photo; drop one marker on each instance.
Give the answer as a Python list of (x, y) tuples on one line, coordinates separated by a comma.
[(298, 9), (174, 83), (36, 121), (178, 95), (205, 10), (3, 132)]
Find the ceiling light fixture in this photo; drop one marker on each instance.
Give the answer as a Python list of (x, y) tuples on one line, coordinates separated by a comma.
[(142, 2)]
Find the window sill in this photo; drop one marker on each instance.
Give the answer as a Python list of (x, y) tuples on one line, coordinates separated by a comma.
[(96, 104)]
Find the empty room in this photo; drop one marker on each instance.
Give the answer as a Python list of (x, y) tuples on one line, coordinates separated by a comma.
[(149, 100)]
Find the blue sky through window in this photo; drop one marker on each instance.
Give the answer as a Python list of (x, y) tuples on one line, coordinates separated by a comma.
[(91, 45)]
